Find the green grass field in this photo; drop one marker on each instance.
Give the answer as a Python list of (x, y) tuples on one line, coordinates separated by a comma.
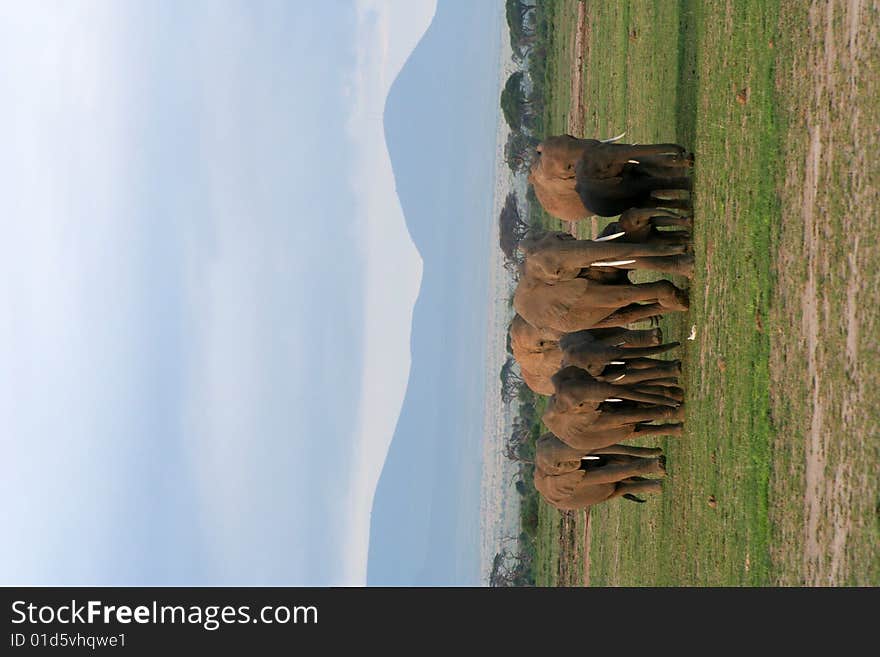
[(780, 103)]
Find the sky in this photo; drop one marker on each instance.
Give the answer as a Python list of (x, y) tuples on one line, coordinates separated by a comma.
[(207, 287)]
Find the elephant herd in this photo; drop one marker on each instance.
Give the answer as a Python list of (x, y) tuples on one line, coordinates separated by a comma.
[(574, 301)]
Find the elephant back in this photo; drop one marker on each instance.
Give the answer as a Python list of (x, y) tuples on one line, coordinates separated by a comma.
[(537, 382)]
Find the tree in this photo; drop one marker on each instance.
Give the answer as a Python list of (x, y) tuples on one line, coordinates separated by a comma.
[(519, 445), (511, 380), (517, 109), (511, 569), (511, 229), (518, 150), (521, 25)]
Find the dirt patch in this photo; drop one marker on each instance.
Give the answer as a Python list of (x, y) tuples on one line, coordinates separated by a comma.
[(815, 455), (827, 286), (577, 111), (586, 581)]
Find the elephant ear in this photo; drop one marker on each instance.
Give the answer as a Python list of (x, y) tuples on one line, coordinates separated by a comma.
[(536, 382)]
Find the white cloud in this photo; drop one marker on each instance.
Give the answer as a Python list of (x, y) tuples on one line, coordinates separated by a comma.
[(387, 34)]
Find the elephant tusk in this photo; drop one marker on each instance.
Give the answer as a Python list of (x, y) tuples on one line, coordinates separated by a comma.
[(633, 162), (613, 399), (589, 458), (611, 140), (618, 379), (618, 362), (612, 263), (608, 238)]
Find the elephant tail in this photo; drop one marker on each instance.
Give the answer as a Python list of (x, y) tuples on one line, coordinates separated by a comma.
[(633, 498)]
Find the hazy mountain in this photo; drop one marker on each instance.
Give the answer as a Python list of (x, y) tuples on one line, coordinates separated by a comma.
[(440, 123)]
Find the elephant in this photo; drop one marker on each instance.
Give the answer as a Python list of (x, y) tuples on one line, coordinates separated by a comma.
[(556, 256), (553, 175), (589, 414), (640, 225), (554, 457), (616, 364), (540, 355), (538, 351), (609, 180), (579, 303), (615, 475)]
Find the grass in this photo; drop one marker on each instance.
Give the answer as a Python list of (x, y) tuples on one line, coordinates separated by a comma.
[(719, 78)]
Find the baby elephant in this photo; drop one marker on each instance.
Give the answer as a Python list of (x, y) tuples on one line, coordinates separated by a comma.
[(616, 364), (539, 355)]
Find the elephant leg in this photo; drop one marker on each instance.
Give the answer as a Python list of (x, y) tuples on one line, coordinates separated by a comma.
[(629, 450), (636, 487), (672, 237), (672, 390), (659, 395), (619, 296), (651, 430), (630, 314), (620, 468), (669, 384), (664, 218), (626, 338), (682, 206), (615, 418)]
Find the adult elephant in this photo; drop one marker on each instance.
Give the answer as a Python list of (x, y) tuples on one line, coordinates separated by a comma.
[(554, 457), (552, 292), (580, 303), (641, 225), (538, 352), (553, 174), (614, 476), (616, 364), (555, 255), (589, 414), (612, 178)]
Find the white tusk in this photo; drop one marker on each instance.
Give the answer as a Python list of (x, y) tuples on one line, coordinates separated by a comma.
[(618, 379), (613, 399), (611, 140), (608, 238), (589, 458), (633, 161), (612, 263), (617, 362)]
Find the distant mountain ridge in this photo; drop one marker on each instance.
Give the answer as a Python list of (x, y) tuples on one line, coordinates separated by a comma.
[(440, 124)]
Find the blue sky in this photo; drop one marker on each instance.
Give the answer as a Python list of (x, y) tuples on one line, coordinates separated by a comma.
[(207, 288)]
